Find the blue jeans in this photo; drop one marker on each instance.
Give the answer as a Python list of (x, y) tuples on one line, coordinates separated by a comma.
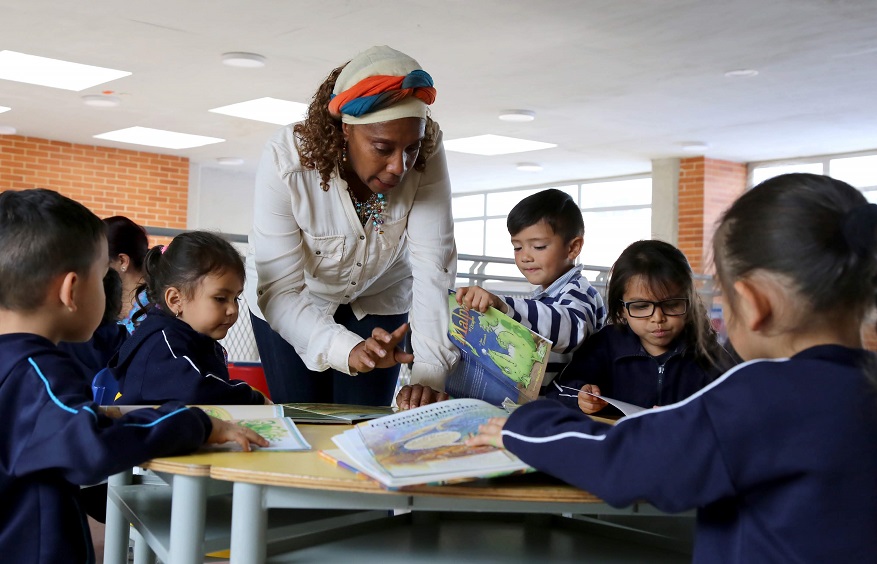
[(290, 381)]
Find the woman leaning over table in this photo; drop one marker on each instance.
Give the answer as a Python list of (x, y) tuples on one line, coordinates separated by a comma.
[(352, 234)]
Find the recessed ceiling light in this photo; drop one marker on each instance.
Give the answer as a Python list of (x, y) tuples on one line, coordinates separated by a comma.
[(695, 146), (230, 161), (270, 110), (741, 73), (244, 60), (53, 72), (494, 145), (517, 115), (7, 130), (158, 138), (4, 109), (529, 167), (101, 100)]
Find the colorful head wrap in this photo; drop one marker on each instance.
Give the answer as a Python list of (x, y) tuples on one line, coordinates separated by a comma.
[(381, 84)]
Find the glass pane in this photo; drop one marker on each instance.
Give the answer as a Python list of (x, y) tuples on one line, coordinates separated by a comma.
[(609, 233), (861, 172), (501, 203), (762, 173), (468, 206), (617, 193), (469, 236), (499, 242)]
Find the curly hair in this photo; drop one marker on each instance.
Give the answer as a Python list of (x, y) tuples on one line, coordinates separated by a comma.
[(321, 141)]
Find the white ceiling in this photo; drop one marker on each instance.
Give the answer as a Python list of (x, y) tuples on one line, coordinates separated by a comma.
[(614, 83)]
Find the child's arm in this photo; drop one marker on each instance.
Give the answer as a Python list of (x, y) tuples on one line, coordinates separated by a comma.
[(568, 319), (479, 299)]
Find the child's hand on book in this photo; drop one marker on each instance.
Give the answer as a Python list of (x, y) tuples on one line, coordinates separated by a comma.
[(489, 434), (587, 402), (226, 431), (479, 299)]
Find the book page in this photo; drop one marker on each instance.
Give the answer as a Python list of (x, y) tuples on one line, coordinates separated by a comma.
[(623, 407), (332, 412), (500, 358), (281, 433), (430, 440)]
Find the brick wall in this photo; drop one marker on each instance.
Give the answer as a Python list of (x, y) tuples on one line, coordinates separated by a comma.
[(149, 188), (706, 188)]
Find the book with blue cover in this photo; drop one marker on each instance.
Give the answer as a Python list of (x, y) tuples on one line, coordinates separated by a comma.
[(500, 359)]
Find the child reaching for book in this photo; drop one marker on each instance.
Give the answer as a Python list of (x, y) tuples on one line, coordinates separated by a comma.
[(547, 233), (53, 257), (659, 346), (791, 431), (193, 286)]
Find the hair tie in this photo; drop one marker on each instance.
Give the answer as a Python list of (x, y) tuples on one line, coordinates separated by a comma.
[(163, 248), (859, 227)]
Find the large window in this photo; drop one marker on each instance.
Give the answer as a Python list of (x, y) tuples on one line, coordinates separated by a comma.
[(616, 212), (859, 170)]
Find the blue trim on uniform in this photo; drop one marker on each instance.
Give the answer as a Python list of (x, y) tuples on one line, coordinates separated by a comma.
[(49, 387), (157, 421)]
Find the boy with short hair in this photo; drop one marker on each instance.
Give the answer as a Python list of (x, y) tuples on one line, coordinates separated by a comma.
[(53, 257), (547, 233)]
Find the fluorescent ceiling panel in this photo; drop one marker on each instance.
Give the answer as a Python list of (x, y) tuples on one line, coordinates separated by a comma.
[(270, 110), (494, 145), (4, 109), (158, 138), (53, 72)]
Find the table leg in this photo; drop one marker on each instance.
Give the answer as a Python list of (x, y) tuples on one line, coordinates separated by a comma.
[(188, 513), (142, 552), (249, 520), (117, 528)]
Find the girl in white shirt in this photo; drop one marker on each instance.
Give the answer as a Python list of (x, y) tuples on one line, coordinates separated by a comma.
[(353, 238)]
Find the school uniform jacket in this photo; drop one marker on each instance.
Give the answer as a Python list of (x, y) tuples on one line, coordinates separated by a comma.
[(615, 360), (778, 456), (54, 440), (567, 312), (93, 355), (165, 360)]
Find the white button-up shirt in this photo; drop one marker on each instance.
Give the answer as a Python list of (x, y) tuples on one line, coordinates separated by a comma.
[(309, 253)]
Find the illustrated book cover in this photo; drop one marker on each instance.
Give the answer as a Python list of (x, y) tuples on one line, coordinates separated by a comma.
[(499, 358), (333, 412), (426, 445)]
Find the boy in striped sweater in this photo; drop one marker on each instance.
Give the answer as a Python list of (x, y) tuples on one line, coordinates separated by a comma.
[(547, 233)]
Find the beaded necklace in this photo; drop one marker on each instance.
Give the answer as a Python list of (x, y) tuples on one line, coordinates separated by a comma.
[(373, 209)]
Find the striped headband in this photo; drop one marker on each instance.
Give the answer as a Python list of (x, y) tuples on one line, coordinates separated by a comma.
[(377, 92)]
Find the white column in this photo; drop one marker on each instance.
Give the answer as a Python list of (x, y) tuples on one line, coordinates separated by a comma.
[(665, 200)]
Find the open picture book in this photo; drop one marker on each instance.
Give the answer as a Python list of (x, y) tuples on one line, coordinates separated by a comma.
[(499, 358), (337, 413), (425, 445), (266, 420)]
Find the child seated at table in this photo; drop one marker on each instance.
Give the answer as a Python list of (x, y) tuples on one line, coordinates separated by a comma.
[(778, 441), (193, 286), (547, 234), (53, 257), (659, 346)]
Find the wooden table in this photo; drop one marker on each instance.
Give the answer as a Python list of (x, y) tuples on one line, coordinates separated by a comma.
[(328, 497)]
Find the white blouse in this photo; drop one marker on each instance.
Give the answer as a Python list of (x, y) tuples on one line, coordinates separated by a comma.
[(309, 253)]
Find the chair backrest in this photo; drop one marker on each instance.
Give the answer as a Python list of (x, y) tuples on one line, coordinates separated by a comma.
[(104, 386)]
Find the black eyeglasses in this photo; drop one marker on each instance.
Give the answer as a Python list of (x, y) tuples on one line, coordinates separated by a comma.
[(642, 308)]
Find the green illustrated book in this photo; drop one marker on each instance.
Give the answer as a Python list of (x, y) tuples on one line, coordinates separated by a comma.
[(338, 413), (500, 359), (425, 445)]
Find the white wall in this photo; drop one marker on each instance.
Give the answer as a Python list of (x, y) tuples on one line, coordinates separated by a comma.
[(220, 199)]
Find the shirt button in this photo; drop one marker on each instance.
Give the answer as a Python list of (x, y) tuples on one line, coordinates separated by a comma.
[(346, 296), (361, 237), (445, 269), (317, 252), (359, 264), (353, 283)]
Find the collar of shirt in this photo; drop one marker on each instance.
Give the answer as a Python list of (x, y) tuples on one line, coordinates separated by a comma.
[(557, 284)]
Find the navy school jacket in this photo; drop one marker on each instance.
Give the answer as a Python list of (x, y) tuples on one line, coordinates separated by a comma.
[(54, 440), (166, 360), (615, 360), (778, 456), (93, 355)]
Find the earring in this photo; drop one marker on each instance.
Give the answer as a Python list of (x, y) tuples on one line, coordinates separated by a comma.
[(179, 312), (124, 269), (344, 152)]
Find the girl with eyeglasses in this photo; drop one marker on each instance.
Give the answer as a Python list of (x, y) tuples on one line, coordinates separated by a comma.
[(659, 346)]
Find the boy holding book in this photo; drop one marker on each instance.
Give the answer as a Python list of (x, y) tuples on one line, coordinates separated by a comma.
[(547, 234), (53, 257)]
